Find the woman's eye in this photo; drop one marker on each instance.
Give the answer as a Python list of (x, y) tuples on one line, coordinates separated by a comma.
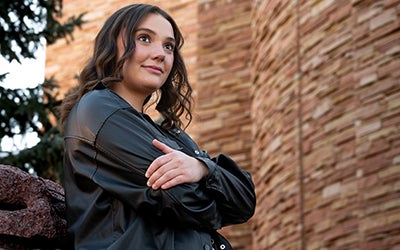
[(144, 38), (169, 46)]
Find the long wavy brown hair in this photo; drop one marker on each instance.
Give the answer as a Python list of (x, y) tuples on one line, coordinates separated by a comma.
[(175, 95)]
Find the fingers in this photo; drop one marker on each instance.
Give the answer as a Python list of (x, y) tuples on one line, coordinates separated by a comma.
[(162, 147), (166, 180), (167, 170), (173, 168), (157, 171), (160, 160), (172, 182)]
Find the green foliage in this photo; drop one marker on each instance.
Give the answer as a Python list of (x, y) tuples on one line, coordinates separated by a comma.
[(33, 110), (23, 23)]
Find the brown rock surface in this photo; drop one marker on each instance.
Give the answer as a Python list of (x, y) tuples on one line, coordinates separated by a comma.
[(32, 209)]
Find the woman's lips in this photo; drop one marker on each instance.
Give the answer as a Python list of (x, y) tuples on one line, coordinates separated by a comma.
[(154, 69)]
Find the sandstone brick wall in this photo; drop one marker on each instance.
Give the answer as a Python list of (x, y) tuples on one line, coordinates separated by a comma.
[(326, 122), (223, 107), (275, 113)]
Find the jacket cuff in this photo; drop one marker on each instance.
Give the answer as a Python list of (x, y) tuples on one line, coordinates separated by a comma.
[(212, 178)]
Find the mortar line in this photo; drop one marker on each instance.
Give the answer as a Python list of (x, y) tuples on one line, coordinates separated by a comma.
[(303, 242)]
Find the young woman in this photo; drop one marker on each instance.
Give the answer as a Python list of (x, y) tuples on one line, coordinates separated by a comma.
[(131, 183)]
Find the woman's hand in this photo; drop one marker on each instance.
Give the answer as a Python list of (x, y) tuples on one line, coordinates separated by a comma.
[(173, 168)]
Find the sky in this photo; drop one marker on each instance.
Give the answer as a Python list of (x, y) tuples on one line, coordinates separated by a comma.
[(25, 75)]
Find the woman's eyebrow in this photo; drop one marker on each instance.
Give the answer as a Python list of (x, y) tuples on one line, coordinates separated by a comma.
[(171, 39)]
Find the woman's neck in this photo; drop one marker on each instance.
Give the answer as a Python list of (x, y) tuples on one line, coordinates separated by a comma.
[(136, 101)]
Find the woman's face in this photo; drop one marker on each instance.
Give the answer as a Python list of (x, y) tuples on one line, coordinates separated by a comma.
[(149, 66)]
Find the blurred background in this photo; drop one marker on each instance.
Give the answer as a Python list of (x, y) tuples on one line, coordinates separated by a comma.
[(305, 95)]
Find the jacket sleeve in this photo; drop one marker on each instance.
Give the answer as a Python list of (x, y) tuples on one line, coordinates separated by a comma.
[(124, 151), (231, 187)]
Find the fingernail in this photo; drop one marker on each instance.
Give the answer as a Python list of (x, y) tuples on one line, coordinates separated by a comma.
[(149, 184)]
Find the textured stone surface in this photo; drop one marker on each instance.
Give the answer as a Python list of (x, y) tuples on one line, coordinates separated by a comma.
[(32, 209), (334, 172)]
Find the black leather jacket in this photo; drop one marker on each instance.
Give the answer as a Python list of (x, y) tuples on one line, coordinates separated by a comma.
[(108, 147)]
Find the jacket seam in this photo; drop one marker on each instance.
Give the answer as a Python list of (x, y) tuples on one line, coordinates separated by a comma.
[(103, 150), (95, 141)]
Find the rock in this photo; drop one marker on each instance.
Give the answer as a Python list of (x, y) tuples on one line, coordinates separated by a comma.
[(32, 211)]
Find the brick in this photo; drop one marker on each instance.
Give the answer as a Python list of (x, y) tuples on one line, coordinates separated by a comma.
[(332, 189), (382, 19), (367, 15), (391, 118), (390, 68), (376, 192), (367, 182), (373, 164), (368, 128), (369, 79), (377, 146), (340, 13)]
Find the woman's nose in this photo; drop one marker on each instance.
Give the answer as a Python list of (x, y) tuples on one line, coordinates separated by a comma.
[(158, 52)]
